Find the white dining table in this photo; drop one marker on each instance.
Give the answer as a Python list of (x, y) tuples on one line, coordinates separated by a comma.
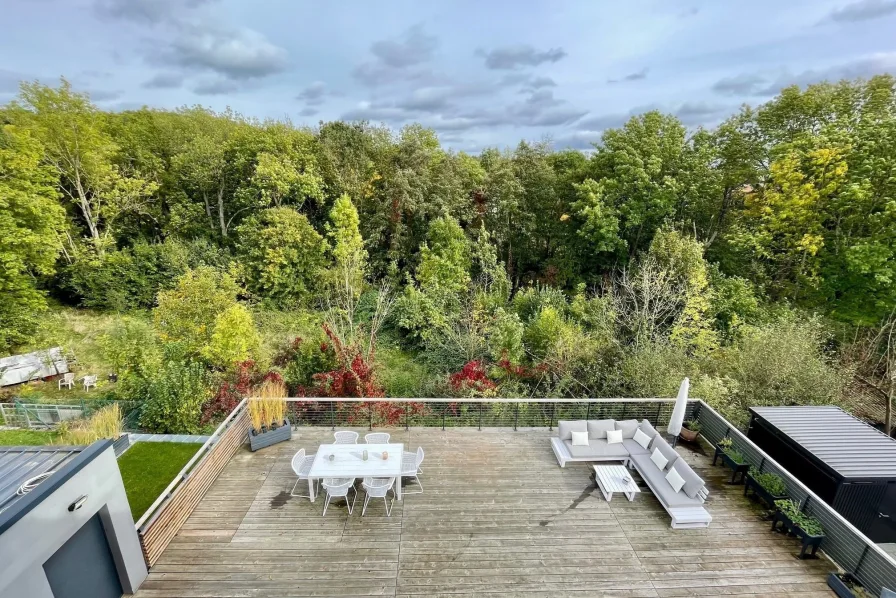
[(348, 462)]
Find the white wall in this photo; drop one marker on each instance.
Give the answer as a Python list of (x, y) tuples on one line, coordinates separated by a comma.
[(34, 538)]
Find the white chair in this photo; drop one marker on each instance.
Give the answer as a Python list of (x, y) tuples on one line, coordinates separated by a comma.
[(377, 438), (410, 467), (301, 465), (338, 488), (346, 437), (378, 488), (67, 380), (88, 382)]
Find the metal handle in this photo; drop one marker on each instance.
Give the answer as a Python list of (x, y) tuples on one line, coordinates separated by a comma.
[(77, 504), (882, 515)]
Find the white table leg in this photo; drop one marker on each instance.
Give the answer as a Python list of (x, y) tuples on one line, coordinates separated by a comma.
[(311, 488), (630, 496), (398, 488)]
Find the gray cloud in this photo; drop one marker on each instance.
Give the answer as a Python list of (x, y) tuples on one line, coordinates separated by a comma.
[(151, 12), (314, 94), (539, 82), (863, 10), (414, 47), (636, 76), (399, 60), (216, 87), (164, 81), (308, 111), (767, 85), (103, 95), (234, 53), (700, 113), (580, 140), (513, 57)]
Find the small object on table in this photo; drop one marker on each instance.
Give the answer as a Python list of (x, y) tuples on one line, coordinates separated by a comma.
[(385, 455), (332, 457), (364, 455)]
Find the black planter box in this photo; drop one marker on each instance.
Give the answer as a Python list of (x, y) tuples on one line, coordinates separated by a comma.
[(808, 541), (766, 496), (269, 437), (736, 468), (839, 586)]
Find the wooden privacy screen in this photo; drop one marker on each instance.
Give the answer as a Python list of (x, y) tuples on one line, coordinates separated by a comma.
[(162, 527)]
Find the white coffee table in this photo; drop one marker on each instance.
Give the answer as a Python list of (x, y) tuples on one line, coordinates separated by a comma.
[(349, 463), (611, 478)]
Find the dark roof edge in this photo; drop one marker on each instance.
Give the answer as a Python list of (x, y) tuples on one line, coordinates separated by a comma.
[(22, 507)]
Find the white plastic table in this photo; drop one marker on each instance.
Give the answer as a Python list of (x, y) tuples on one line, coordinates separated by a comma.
[(350, 464), (611, 478)]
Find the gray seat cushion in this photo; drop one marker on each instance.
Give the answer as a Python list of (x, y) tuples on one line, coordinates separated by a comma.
[(647, 429), (692, 482), (634, 448), (628, 427), (597, 428), (566, 428), (665, 450), (597, 449), (661, 488)]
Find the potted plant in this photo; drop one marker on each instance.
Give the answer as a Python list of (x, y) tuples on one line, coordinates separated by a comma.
[(732, 458), (267, 416), (846, 585), (689, 431), (769, 487), (793, 521)]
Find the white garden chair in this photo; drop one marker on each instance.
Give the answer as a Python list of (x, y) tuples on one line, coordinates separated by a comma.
[(67, 380), (339, 488), (410, 467), (377, 438), (378, 488), (88, 381), (301, 465), (346, 437)]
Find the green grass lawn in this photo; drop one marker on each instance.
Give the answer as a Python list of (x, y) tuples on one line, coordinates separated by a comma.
[(148, 467), (26, 437)]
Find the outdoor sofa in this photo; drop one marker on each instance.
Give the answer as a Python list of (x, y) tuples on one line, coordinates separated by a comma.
[(685, 505)]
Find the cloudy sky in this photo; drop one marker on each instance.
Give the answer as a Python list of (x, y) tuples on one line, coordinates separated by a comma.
[(480, 73)]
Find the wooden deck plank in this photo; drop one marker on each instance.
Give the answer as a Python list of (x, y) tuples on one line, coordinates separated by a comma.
[(498, 517)]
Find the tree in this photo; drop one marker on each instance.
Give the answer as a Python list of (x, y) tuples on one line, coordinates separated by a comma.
[(282, 256), (233, 338), (31, 219), (186, 314), (81, 153), (346, 249)]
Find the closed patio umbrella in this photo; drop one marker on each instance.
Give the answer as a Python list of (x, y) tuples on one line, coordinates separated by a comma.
[(681, 405)]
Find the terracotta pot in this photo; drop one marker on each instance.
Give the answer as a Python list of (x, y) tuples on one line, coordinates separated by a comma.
[(688, 435)]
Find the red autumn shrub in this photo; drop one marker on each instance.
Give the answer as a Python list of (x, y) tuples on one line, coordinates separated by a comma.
[(471, 379)]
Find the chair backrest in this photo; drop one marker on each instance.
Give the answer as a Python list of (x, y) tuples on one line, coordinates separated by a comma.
[(377, 487), (337, 486), (419, 455), (377, 438), (89, 379), (297, 460), (346, 437), (70, 377)]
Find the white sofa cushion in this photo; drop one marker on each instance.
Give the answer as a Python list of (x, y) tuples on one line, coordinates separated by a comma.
[(641, 438), (579, 438), (614, 436), (668, 452), (598, 428), (565, 428), (674, 479), (628, 427), (658, 459)]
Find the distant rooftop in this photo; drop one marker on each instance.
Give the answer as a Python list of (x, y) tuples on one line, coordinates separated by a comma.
[(18, 464), (847, 445)]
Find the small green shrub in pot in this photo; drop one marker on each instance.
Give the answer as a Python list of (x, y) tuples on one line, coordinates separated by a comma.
[(773, 484), (690, 429), (807, 523)]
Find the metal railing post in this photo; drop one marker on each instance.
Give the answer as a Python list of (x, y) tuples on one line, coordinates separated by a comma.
[(551, 421), (333, 415), (659, 410), (516, 415), (444, 410), (407, 424), (370, 416), (588, 412), (480, 416)]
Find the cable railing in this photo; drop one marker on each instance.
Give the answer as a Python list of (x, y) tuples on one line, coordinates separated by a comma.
[(843, 542), (478, 413)]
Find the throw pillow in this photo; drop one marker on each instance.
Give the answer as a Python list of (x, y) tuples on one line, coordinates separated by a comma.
[(658, 459), (580, 438), (675, 480), (614, 436), (642, 438)]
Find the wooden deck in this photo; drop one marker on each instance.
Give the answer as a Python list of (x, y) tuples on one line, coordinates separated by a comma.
[(498, 517)]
